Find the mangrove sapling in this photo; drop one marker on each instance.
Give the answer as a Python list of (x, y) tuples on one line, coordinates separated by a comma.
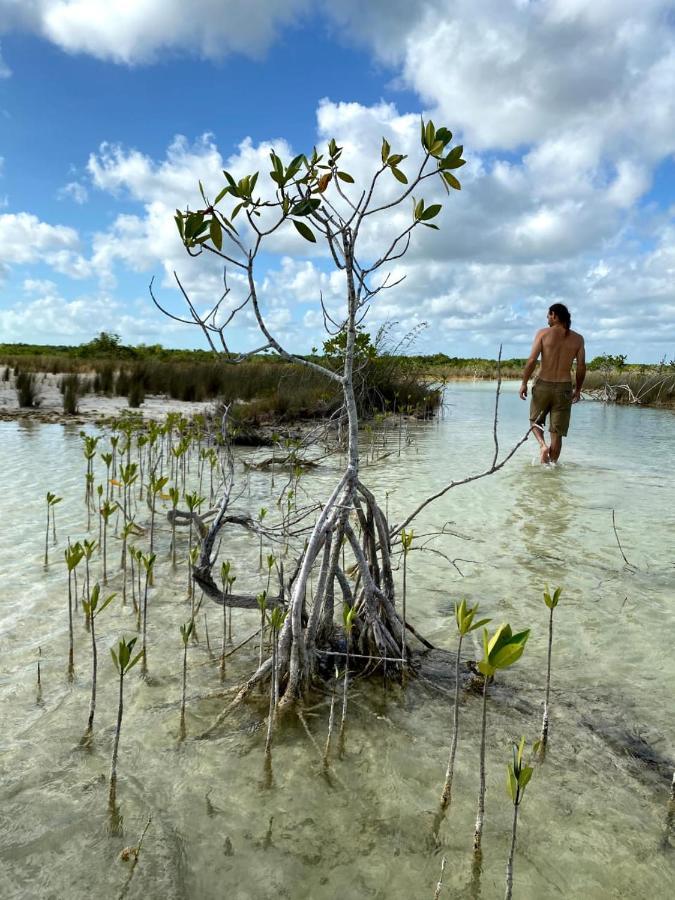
[(124, 662), (89, 451), (129, 529), (185, 632), (38, 698), (52, 500), (464, 617), (148, 560), (312, 193), (92, 610), (106, 510), (551, 602), (348, 614), (518, 777), (154, 488), (406, 543), (500, 651), (73, 555)]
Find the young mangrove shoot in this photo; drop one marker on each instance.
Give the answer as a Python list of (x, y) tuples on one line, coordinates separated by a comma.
[(106, 510), (92, 610), (348, 614), (124, 662), (551, 602), (464, 617), (502, 650), (73, 555), (406, 543), (185, 632), (227, 581), (148, 560), (518, 777), (52, 500)]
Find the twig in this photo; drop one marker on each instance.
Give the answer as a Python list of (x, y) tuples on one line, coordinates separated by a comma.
[(494, 424), (135, 852), (439, 886), (616, 535)]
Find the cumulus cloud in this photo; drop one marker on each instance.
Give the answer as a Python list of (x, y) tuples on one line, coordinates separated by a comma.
[(145, 30), (26, 239), (74, 191)]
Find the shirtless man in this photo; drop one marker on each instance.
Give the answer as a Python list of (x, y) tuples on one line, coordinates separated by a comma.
[(552, 389)]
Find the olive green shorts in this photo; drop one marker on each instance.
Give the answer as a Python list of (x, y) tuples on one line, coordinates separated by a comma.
[(554, 397)]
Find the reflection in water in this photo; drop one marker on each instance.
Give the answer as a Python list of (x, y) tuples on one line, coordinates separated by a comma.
[(543, 511)]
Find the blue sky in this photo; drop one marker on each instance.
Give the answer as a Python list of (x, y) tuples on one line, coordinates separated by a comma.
[(109, 115)]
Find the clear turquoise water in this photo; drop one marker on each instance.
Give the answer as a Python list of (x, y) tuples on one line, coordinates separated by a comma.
[(593, 818)]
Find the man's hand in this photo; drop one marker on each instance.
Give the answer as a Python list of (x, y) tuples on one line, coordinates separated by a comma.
[(523, 390), (576, 396)]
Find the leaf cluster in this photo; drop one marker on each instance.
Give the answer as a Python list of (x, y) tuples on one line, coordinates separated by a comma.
[(464, 616), (502, 650), (518, 774), (122, 657)]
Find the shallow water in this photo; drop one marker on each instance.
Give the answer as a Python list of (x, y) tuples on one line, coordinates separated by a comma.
[(593, 818)]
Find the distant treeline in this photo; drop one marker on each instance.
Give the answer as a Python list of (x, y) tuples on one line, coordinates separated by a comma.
[(263, 387)]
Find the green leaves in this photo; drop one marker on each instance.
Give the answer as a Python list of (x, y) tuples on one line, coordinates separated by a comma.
[(261, 600), (305, 231), (52, 499), (424, 214), (277, 617), (91, 606), (464, 616), (73, 555), (156, 484), (186, 631), (406, 539), (193, 500), (552, 601), (122, 657), (502, 650), (518, 775), (348, 616)]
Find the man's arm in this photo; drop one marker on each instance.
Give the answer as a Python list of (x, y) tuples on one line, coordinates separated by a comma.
[(581, 372), (530, 365)]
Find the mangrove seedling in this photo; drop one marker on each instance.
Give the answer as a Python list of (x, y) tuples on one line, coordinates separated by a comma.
[(107, 459), (73, 555), (502, 650), (348, 614), (464, 616), (92, 610), (271, 559), (551, 602), (185, 632), (88, 547), (227, 582), (518, 777), (129, 529), (277, 617), (99, 494), (174, 496), (406, 543), (261, 600), (148, 560), (261, 515), (193, 501), (106, 510), (128, 475), (124, 662), (52, 500), (154, 488)]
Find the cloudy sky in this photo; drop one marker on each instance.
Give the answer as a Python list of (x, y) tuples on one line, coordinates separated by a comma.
[(111, 112)]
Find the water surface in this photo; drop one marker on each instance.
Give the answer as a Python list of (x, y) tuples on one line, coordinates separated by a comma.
[(592, 822)]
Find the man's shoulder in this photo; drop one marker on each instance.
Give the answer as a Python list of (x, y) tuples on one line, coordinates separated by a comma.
[(578, 337)]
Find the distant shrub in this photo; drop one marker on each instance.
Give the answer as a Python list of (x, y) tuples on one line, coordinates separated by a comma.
[(104, 380), (136, 392), (27, 389), (71, 388), (6, 373), (122, 383)]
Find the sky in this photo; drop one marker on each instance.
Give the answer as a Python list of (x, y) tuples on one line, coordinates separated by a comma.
[(111, 113)]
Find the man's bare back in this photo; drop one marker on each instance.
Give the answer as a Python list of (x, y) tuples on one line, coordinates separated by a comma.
[(558, 347)]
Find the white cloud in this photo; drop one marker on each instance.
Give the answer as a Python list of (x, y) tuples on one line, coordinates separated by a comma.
[(143, 30), (75, 191), (24, 238)]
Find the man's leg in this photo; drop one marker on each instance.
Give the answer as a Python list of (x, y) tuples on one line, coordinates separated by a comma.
[(556, 446), (538, 432)]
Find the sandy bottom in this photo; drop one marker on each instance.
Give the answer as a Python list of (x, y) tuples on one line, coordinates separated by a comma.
[(91, 407)]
